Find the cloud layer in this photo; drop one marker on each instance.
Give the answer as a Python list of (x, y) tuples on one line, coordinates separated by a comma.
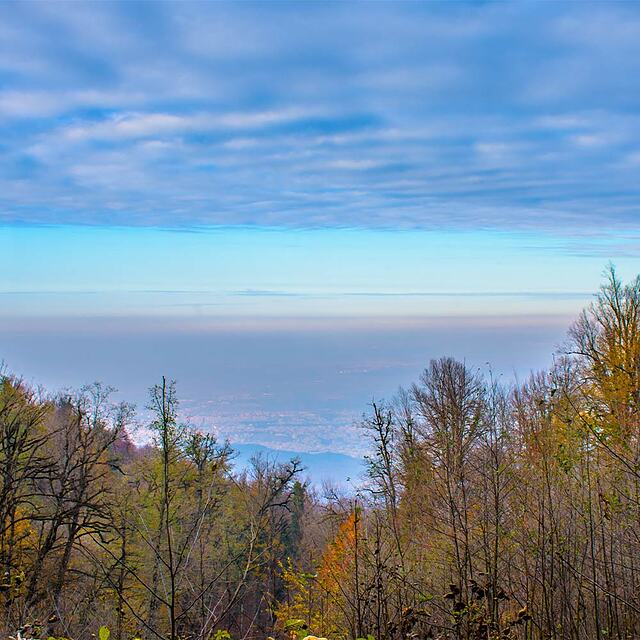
[(502, 116)]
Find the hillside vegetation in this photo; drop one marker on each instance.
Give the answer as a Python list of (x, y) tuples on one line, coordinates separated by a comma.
[(487, 512)]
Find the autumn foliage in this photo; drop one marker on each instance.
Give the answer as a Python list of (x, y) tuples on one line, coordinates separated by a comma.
[(487, 512)]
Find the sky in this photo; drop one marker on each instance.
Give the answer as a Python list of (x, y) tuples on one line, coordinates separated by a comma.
[(328, 186)]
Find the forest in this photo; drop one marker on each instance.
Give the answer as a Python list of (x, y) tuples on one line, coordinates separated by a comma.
[(488, 511)]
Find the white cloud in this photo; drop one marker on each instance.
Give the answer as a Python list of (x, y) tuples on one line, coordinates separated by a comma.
[(356, 165), (30, 104), (138, 125), (130, 126)]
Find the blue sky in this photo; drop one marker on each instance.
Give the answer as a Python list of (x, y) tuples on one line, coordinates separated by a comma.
[(518, 116), (460, 173), (317, 148), (231, 272)]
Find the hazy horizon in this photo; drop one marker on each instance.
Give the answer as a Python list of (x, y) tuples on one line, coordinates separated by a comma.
[(298, 385)]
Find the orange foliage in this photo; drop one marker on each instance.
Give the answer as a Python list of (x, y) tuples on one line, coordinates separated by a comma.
[(339, 557)]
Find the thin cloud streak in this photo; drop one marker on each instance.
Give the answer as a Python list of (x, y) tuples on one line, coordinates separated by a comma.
[(154, 325)]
